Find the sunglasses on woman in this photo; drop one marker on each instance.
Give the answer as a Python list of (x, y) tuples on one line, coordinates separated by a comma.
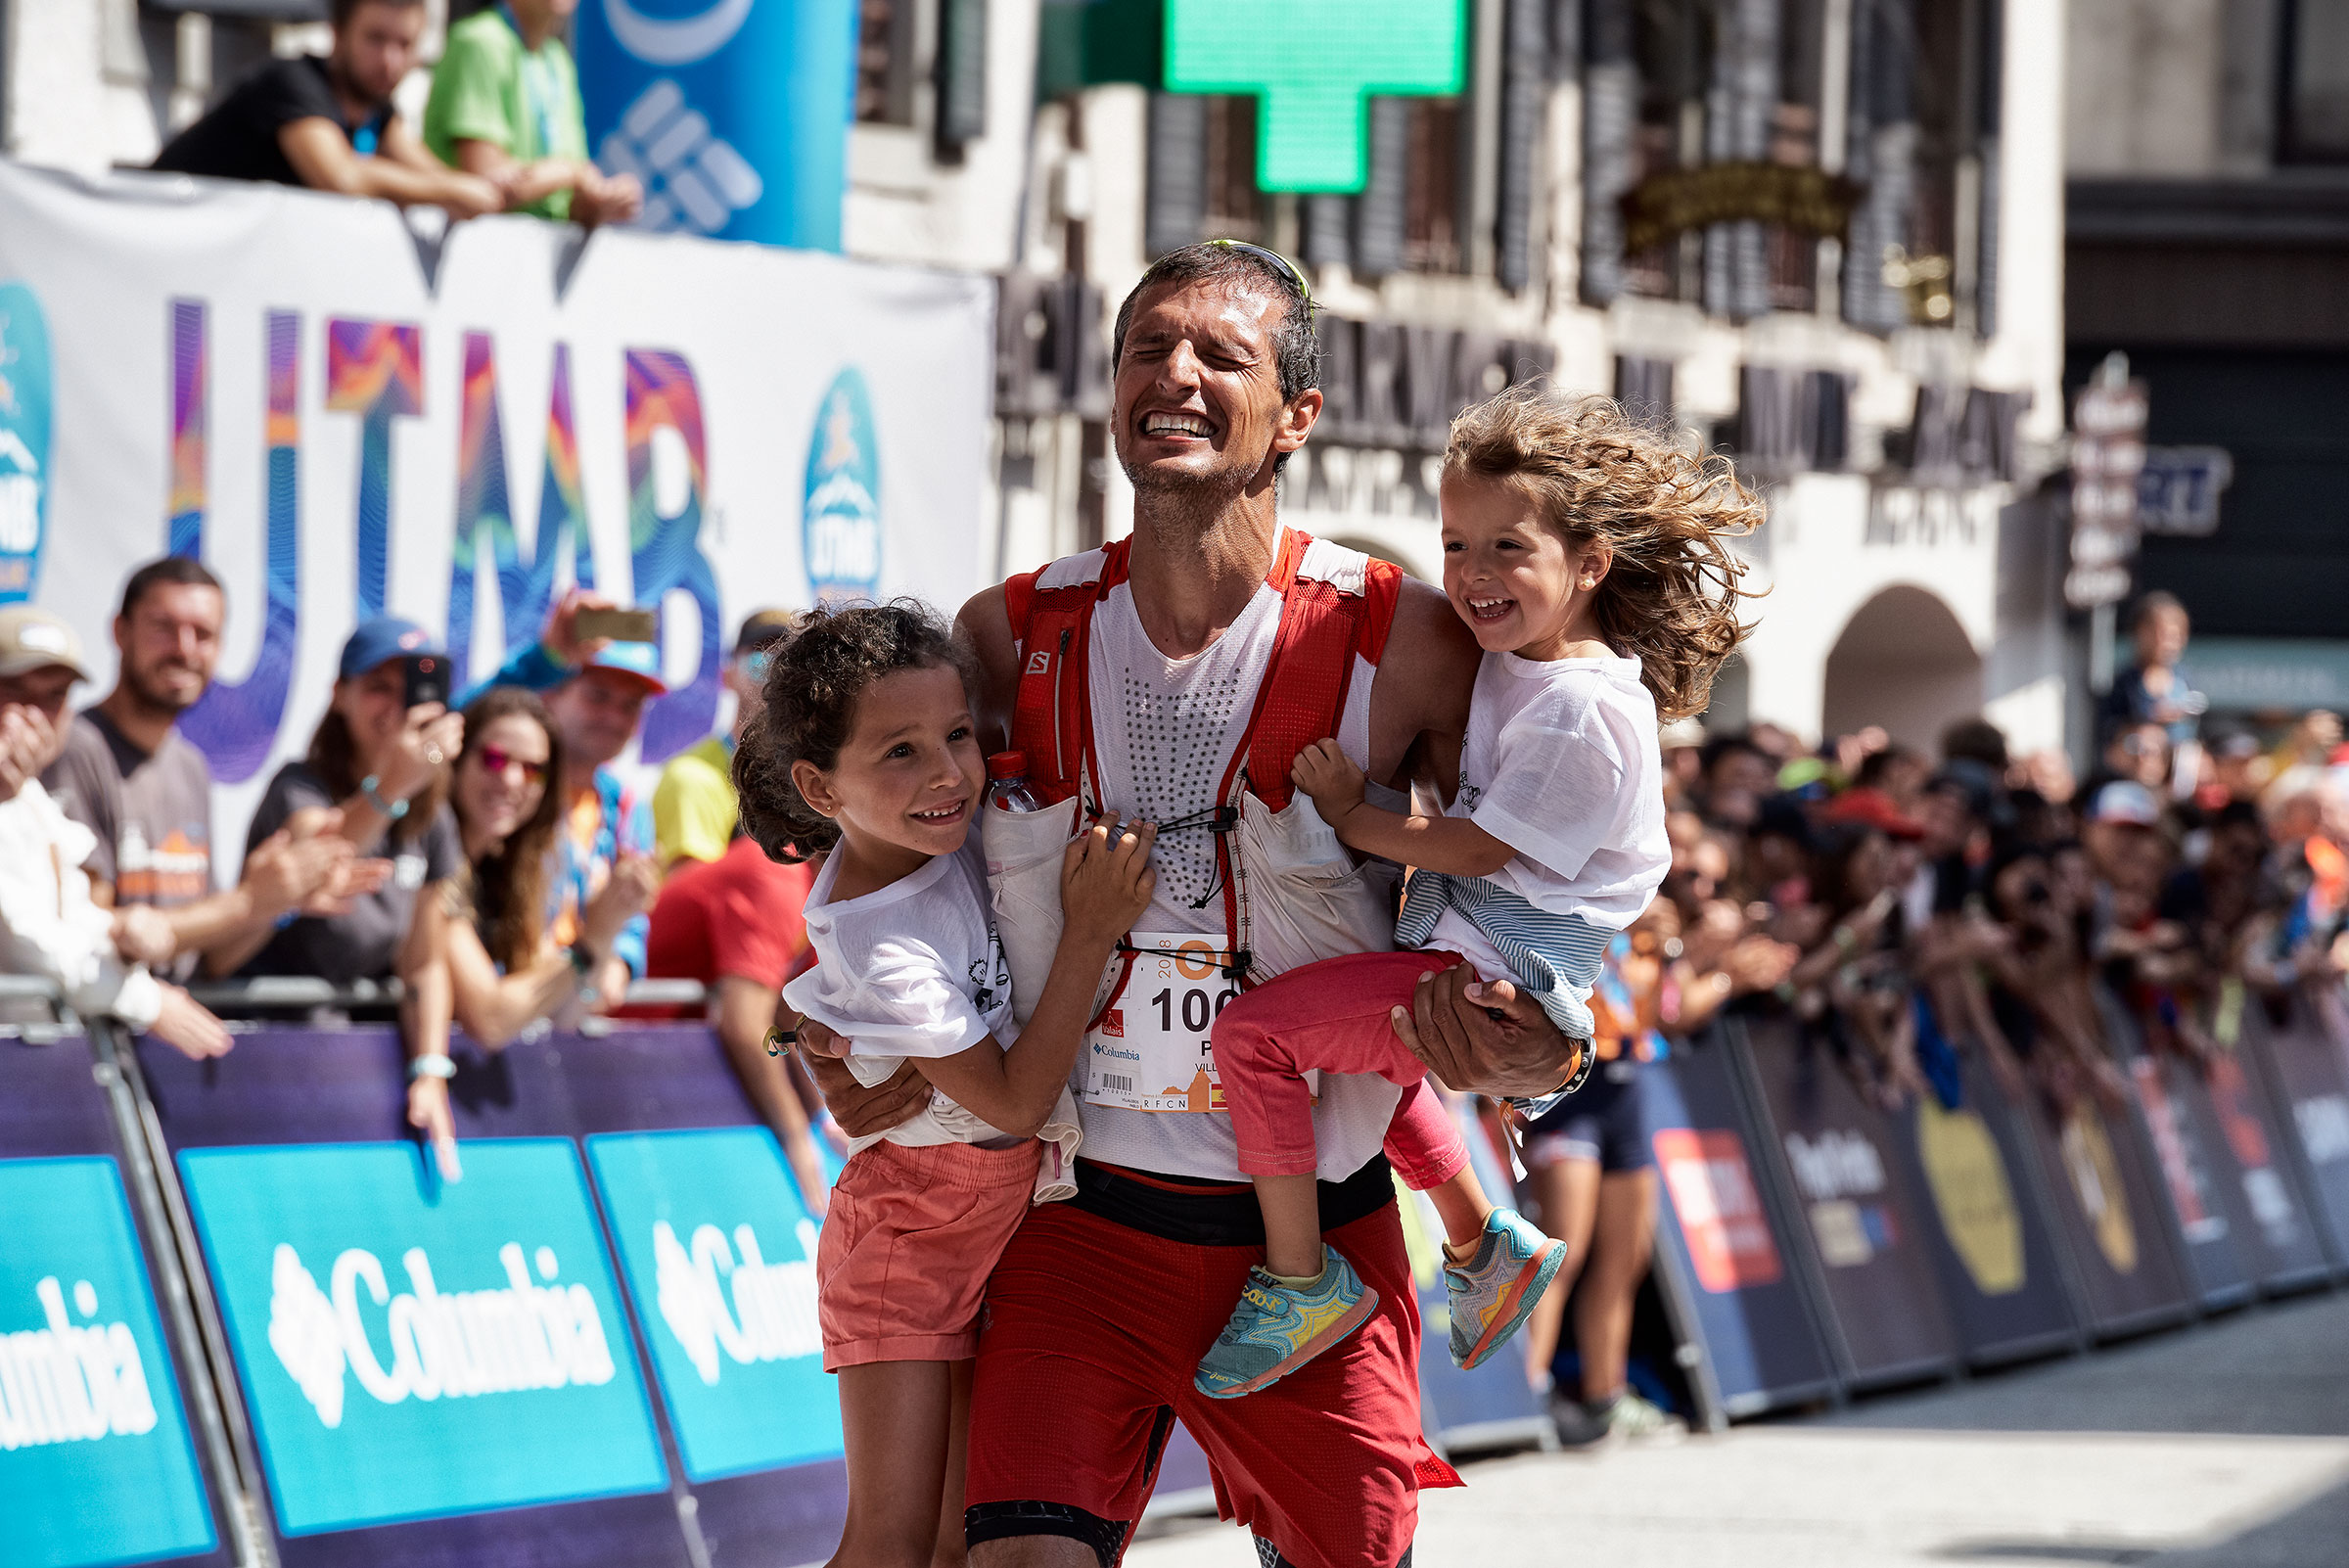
[(495, 759)]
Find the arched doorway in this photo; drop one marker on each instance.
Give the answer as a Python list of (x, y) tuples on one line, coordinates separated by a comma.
[(1905, 663)]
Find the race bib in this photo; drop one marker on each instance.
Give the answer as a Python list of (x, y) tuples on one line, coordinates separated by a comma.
[(1153, 1049)]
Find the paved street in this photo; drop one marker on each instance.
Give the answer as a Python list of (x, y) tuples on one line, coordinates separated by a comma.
[(2225, 1446)]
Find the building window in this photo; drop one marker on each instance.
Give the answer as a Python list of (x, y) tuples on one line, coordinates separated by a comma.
[(2314, 120), (886, 44), (1235, 207), (1431, 185), (1744, 90)]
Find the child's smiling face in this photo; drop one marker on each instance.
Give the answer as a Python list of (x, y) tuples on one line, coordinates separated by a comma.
[(1518, 585), (911, 776)]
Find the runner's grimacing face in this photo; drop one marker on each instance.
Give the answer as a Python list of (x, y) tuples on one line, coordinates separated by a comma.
[(910, 775), (1198, 386)]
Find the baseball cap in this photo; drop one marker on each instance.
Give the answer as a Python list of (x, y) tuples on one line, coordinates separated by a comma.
[(35, 639), (2125, 802), (383, 639), (762, 627), (639, 659), (1872, 808), (1680, 732)]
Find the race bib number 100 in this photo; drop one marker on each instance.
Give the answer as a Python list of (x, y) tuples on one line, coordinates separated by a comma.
[(1152, 1050)]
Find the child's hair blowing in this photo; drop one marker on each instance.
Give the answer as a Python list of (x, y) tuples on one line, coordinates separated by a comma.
[(1597, 476), (815, 676)]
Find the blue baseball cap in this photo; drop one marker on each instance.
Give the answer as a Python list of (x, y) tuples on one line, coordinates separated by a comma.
[(383, 639), (641, 660)]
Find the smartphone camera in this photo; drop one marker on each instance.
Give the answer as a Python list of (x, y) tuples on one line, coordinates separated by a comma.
[(427, 680)]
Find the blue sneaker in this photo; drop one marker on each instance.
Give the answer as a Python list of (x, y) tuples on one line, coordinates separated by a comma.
[(1494, 1292), (1275, 1329)]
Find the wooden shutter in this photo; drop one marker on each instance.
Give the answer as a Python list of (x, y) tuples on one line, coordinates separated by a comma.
[(1523, 88), (962, 75), (1379, 212), (1176, 202)]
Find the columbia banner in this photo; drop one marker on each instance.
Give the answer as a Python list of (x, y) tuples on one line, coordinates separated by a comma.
[(601, 1340), (343, 420), (90, 1400)]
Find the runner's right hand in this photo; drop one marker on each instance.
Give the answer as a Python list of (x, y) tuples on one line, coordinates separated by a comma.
[(859, 1111)]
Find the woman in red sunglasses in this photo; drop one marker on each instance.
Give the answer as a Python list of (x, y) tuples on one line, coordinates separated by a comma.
[(503, 962)]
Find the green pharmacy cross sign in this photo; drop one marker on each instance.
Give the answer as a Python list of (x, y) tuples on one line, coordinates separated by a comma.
[(1315, 63)]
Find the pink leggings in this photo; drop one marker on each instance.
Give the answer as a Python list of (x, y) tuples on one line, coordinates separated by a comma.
[(1331, 1016)]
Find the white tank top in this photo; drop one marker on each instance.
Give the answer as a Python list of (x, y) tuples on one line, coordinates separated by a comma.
[(1164, 731)]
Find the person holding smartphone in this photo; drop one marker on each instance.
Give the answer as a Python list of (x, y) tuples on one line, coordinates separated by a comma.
[(597, 664), (377, 772)]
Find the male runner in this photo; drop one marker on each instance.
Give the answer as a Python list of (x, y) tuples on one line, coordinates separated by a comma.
[(1100, 1309)]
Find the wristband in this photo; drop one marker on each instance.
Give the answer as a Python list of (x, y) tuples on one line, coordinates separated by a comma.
[(1534, 1107), (583, 960), (433, 1066), (393, 811)]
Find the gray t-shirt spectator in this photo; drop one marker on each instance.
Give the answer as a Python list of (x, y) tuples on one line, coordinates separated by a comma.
[(362, 943), (151, 812)]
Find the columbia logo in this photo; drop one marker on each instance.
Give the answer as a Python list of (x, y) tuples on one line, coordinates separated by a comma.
[(691, 179)]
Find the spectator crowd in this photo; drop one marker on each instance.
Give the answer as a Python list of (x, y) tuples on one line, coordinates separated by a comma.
[(480, 849), (1906, 909)]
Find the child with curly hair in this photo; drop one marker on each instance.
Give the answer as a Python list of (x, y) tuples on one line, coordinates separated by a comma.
[(867, 747), (1586, 552)]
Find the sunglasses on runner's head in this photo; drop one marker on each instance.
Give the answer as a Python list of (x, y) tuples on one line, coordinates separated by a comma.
[(495, 759), (1287, 268)]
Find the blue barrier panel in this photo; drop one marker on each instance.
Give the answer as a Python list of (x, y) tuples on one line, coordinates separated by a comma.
[(1749, 1318), (713, 1237), (245, 1129), (2213, 1243), (675, 1077), (411, 1348), (2110, 1211), (1992, 1239), (1858, 1224), (2259, 1183), (96, 1463), (2300, 1061)]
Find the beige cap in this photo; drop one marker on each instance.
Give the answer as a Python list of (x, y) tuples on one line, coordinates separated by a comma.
[(1680, 732), (35, 639)]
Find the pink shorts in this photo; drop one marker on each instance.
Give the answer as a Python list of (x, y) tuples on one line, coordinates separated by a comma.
[(911, 1236)]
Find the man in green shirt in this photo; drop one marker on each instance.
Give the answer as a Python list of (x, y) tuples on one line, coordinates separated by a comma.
[(694, 809), (505, 106)]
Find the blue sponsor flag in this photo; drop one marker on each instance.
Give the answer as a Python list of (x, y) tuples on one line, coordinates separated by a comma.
[(410, 1349), (734, 115), (25, 440)]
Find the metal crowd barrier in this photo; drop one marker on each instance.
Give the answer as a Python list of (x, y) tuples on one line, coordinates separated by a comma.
[(242, 1309)]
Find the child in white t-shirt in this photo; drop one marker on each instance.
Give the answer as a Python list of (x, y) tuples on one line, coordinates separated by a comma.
[(1584, 553), (867, 747)]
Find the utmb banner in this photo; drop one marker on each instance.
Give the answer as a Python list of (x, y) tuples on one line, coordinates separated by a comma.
[(341, 422)]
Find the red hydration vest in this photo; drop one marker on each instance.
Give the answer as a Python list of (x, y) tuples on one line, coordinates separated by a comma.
[(1327, 620), (1323, 627)]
